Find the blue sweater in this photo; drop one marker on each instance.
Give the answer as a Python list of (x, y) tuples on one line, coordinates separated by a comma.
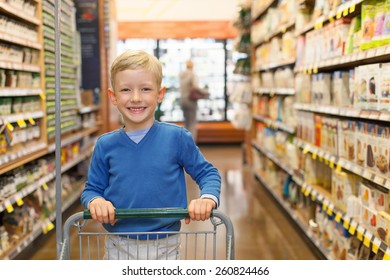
[(150, 174)]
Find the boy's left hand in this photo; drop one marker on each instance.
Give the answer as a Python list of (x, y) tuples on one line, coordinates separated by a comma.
[(200, 209)]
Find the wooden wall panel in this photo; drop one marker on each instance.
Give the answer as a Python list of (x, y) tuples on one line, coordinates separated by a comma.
[(176, 29)]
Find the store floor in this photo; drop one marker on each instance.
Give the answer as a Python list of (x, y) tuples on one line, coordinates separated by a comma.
[(262, 231)]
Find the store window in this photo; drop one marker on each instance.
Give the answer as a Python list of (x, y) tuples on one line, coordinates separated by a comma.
[(213, 64)]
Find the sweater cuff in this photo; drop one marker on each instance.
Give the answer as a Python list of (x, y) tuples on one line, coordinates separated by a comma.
[(211, 197)]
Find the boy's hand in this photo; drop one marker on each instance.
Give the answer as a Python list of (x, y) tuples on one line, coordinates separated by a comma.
[(102, 211), (200, 209)]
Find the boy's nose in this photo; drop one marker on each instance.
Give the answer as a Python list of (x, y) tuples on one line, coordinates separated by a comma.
[(135, 97)]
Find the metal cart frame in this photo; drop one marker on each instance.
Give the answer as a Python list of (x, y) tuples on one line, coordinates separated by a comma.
[(79, 220)]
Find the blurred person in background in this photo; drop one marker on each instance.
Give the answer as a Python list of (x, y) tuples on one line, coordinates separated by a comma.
[(189, 107)]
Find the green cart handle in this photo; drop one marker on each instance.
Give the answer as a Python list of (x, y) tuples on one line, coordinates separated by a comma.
[(146, 213)]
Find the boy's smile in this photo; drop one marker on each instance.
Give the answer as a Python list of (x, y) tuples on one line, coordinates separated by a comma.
[(136, 95)]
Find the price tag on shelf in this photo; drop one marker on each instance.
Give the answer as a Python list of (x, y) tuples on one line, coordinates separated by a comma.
[(313, 195), (379, 180), (361, 55), (338, 167), (8, 206), (352, 8), (10, 126), (21, 123), (371, 53), (338, 217), (367, 174), (331, 19), (352, 227), (381, 51), (320, 197), (304, 186), (330, 210), (331, 163), (305, 150), (345, 12), (376, 243), (325, 204), (339, 14), (307, 191), (357, 169), (19, 201), (386, 257), (360, 233), (45, 187), (31, 121), (42, 95), (314, 155), (367, 239), (346, 222), (387, 184)]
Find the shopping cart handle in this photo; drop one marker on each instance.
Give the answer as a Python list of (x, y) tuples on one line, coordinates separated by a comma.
[(146, 213)]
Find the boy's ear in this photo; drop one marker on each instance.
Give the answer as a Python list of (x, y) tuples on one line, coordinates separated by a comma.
[(161, 94), (111, 95)]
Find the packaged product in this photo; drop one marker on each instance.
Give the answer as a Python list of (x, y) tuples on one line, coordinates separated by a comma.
[(340, 88), (369, 81), (354, 247), (367, 195), (384, 87), (371, 146), (386, 24), (351, 140), (379, 23), (354, 207), (361, 143), (368, 218), (341, 27), (381, 199), (368, 24), (382, 158), (344, 185), (383, 226)]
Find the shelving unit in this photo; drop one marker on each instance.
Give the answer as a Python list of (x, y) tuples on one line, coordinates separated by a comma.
[(298, 147), (27, 88)]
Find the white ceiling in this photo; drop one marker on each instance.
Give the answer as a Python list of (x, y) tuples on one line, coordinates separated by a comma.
[(176, 10)]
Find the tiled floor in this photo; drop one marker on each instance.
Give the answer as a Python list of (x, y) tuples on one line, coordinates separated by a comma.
[(262, 230)]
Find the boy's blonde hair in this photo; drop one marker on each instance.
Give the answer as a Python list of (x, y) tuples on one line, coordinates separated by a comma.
[(134, 60)]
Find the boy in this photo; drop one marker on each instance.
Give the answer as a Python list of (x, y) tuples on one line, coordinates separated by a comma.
[(142, 164)]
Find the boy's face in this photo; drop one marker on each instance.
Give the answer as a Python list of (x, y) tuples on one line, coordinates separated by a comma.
[(136, 95)]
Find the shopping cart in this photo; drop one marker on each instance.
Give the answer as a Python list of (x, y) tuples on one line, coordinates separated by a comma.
[(198, 240)]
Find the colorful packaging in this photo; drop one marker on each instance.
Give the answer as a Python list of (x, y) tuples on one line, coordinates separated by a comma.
[(368, 24), (383, 226), (384, 87)]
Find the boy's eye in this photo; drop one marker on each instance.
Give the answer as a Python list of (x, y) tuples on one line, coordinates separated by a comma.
[(146, 89), (125, 89)]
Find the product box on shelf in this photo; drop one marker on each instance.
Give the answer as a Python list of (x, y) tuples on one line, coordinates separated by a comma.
[(340, 89), (379, 19), (367, 195), (361, 143), (384, 86), (368, 218), (344, 185), (347, 141), (368, 24), (382, 199), (372, 146), (368, 89), (383, 226), (382, 142), (340, 36)]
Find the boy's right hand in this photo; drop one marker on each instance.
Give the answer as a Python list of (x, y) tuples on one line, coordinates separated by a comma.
[(102, 211)]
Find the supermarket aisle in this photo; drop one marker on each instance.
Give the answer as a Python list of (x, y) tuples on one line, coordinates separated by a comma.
[(261, 229)]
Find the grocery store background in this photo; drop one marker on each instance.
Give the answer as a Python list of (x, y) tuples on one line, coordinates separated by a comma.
[(302, 146)]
